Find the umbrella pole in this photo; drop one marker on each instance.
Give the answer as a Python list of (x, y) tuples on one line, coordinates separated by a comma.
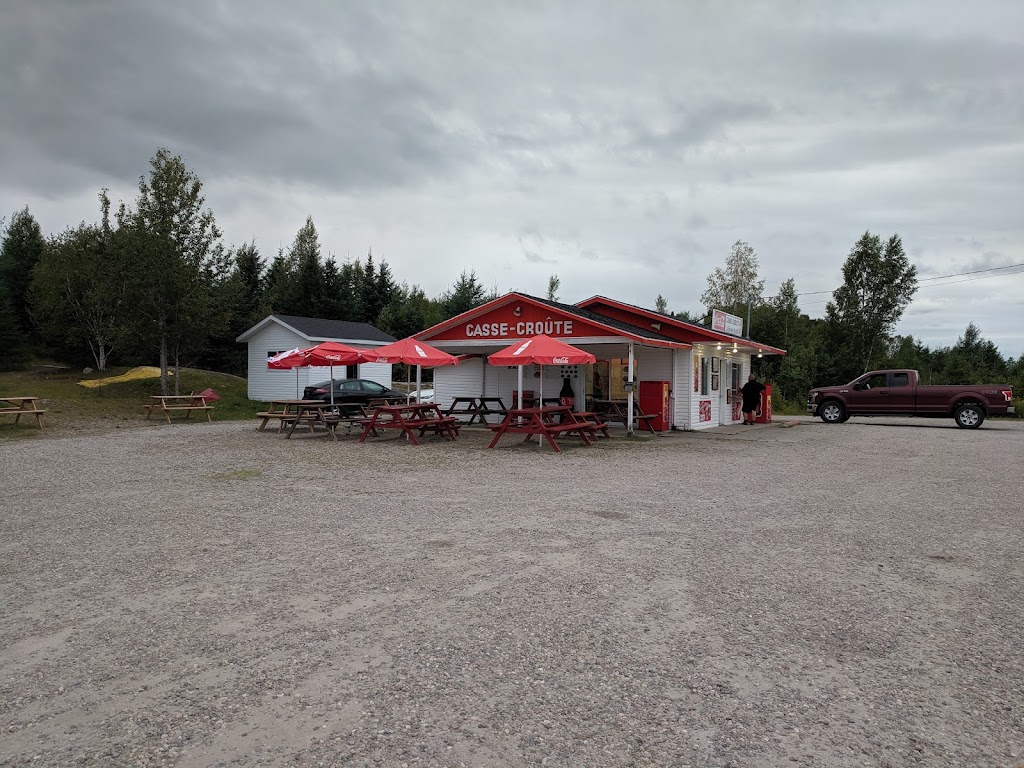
[(296, 383), (540, 401), (408, 383), (419, 378), (332, 383), (520, 379)]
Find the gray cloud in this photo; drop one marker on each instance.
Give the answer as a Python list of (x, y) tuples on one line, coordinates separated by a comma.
[(625, 147)]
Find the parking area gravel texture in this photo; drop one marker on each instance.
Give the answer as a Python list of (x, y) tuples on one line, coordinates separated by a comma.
[(205, 595)]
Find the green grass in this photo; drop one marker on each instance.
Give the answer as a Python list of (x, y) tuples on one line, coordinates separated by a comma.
[(67, 404)]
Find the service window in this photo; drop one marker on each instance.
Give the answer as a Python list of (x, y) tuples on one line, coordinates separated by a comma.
[(899, 379)]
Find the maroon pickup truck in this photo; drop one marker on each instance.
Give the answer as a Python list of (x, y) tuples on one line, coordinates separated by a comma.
[(897, 393)]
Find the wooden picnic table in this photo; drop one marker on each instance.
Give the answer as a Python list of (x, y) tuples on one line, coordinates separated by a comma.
[(412, 417), (168, 404), (282, 410), (22, 406), (330, 415), (618, 410), (551, 422), (477, 408)]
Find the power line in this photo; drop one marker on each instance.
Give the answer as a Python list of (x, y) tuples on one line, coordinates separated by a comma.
[(939, 285), (939, 277)]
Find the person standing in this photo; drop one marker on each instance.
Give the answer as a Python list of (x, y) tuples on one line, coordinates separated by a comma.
[(751, 392)]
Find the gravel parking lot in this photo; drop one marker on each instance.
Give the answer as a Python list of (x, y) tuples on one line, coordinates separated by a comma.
[(201, 594)]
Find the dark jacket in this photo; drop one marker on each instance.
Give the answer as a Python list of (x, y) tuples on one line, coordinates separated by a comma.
[(752, 395)]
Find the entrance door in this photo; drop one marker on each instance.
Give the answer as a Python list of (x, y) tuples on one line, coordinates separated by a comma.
[(730, 405)]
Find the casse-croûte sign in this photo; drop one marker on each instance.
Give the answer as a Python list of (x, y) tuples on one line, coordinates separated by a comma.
[(723, 322), (519, 329), (520, 320)]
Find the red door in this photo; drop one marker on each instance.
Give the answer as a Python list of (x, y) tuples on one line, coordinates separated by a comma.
[(654, 401)]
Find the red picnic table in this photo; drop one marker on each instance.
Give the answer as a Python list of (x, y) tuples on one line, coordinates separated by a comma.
[(551, 422), (410, 418)]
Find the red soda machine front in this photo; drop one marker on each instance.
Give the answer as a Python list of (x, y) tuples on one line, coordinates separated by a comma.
[(654, 402), (764, 410)]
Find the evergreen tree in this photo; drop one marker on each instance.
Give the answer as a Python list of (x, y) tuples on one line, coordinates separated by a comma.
[(465, 294), (12, 340), (21, 250)]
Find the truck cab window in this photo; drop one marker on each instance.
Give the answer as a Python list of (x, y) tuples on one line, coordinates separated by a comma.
[(899, 380)]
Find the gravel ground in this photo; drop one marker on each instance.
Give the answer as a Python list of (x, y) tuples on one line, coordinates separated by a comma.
[(202, 595)]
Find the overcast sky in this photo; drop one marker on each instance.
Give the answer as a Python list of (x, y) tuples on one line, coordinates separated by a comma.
[(624, 146)]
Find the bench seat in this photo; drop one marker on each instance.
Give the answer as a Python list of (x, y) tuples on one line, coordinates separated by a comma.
[(19, 412)]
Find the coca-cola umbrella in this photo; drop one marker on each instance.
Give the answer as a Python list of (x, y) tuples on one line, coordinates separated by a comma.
[(541, 350), (329, 353), (292, 358), (411, 351)]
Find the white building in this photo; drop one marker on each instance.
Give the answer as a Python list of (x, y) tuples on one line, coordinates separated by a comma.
[(279, 333), (689, 373)]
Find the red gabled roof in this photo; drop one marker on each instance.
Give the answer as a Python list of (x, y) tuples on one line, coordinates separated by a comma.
[(667, 325), (589, 323)]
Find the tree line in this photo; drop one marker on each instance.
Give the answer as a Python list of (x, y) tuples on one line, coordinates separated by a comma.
[(857, 333), (153, 282)]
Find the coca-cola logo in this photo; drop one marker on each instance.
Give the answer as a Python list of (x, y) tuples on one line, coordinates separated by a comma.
[(560, 360)]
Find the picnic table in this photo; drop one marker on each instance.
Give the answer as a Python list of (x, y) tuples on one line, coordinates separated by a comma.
[(550, 421), (618, 410), (168, 404), (282, 410), (477, 408), (22, 406), (410, 418), (330, 415)]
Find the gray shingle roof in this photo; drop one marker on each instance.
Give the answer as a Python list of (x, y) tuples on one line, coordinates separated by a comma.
[(319, 329)]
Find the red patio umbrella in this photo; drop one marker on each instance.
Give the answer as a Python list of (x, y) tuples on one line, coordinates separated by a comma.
[(541, 350), (411, 351), (329, 353), (293, 358)]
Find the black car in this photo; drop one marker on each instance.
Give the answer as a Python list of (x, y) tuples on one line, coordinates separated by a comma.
[(360, 391)]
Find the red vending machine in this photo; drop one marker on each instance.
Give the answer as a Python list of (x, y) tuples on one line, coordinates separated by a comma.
[(654, 402), (764, 411)]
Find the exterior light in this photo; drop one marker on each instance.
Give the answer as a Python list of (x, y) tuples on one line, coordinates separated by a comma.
[(719, 345)]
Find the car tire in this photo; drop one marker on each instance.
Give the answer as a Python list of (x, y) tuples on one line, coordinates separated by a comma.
[(969, 415), (832, 412)]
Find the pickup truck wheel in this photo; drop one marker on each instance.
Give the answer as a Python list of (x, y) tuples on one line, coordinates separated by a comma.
[(832, 412), (969, 416)]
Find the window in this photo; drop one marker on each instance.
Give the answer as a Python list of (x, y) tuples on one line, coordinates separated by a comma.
[(705, 375), (373, 387), (351, 386), (875, 381), (900, 380), (351, 371)]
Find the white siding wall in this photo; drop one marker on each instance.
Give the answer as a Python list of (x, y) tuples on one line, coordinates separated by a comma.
[(720, 413), (462, 380), (268, 384), (654, 364), (682, 389)]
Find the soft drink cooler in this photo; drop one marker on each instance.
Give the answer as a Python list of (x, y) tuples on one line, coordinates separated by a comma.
[(654, 401)]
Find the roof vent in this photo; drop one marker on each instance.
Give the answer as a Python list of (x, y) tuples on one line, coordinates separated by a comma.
[(656, 326)]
